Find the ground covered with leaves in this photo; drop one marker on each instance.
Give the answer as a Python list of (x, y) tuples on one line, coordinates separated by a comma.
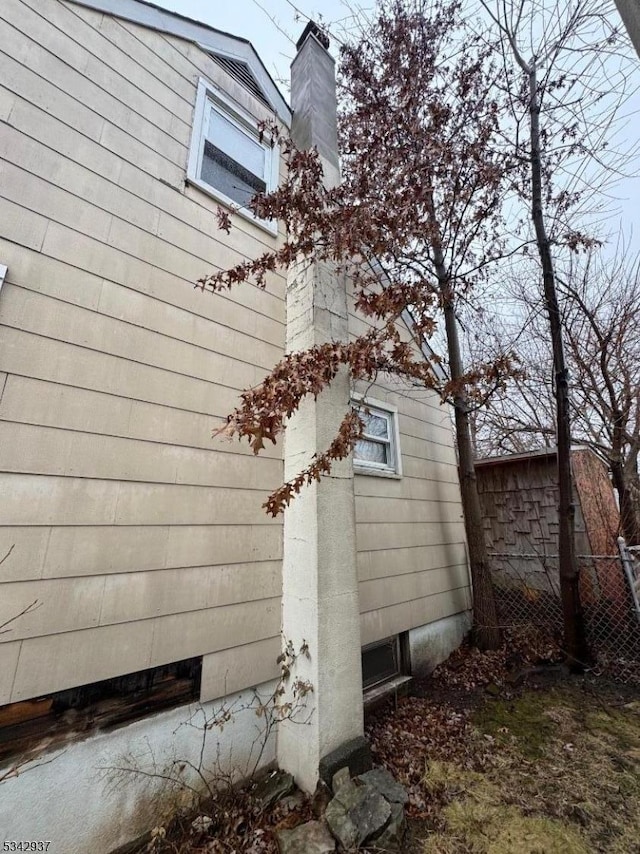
[(502, 753)]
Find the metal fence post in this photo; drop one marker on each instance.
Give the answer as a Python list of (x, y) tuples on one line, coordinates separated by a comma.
[(632, 572)]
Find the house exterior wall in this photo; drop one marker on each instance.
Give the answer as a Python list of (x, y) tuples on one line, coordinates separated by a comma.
[(411, 551), (142, 538), (597, 502), (601, 518), (630, 14), (520, 503), (411, 548)]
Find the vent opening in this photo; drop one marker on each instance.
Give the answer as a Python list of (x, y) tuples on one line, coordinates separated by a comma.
[(241, 72)]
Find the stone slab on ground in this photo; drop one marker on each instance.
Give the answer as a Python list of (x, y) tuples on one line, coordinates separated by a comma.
[(354, 755), (391, 840), (384, 782), (340, 778), (310, 838), (356, 814), (273, 788)]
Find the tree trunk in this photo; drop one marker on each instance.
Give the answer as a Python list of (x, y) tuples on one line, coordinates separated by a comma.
[(486, 632), (629, 522), (574, 631)]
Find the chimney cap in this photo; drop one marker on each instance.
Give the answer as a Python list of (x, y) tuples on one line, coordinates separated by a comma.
[(314, 30)]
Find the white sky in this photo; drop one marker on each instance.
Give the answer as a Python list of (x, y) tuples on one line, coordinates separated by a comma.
[(273, 26)]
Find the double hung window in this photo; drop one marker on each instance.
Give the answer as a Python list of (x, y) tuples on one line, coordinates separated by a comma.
[(229, 159), (377, 451)]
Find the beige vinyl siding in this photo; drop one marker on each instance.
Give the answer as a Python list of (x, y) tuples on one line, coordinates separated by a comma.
[(44, 661), (411, 552), (140, 536), (232, 670), (74, 551)]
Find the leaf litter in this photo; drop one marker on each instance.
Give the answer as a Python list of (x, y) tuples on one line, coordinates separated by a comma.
[(501, 753), (506, 753)]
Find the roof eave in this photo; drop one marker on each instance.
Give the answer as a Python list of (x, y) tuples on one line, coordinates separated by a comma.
[(207, 38)]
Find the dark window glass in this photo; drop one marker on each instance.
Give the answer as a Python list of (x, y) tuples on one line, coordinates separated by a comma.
[(224, 173), (380, 662), (45, 722)]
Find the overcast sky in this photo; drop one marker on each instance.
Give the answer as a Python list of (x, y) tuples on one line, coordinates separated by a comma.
[(273, 26)]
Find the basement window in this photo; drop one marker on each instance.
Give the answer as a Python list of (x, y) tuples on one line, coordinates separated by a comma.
[(381, 662), (228, 158), (385, 670), (31, 726), (377, 452)]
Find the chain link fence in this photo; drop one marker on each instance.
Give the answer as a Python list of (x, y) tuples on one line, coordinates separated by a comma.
[(527, 590)]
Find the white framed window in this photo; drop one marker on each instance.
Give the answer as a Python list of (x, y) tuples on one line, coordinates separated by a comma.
[(227, 158), (377, 452)]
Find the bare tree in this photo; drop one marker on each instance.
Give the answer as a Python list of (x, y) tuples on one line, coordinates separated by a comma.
[(521, 416), (424, 173), (602, 326), (553, 55), (600, 300)]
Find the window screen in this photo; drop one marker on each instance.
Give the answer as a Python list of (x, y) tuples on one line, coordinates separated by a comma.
[(232, 161)]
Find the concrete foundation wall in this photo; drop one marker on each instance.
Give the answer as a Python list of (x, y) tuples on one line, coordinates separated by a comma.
[(432, 644), (77, 799)]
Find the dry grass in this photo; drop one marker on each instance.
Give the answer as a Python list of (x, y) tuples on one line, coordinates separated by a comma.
[(571, 756), (552, 767), (545, 764)]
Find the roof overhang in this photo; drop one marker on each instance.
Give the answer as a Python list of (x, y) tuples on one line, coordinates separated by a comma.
[(427, 350), (526, 456), (206, 37)]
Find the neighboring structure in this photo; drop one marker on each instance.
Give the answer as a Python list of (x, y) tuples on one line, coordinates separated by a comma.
[(630, 13), (156, 576), (519, 495)]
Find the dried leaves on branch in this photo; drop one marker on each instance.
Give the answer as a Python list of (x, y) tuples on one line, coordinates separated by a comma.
[(415, 221), (414, 226)]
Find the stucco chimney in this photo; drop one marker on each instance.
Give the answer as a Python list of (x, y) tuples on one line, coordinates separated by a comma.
[(320, 586), (313, 99), (630, 13)]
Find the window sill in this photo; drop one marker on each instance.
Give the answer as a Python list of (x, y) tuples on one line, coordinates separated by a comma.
[(270, 227), (394, 686), (366, 470)]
